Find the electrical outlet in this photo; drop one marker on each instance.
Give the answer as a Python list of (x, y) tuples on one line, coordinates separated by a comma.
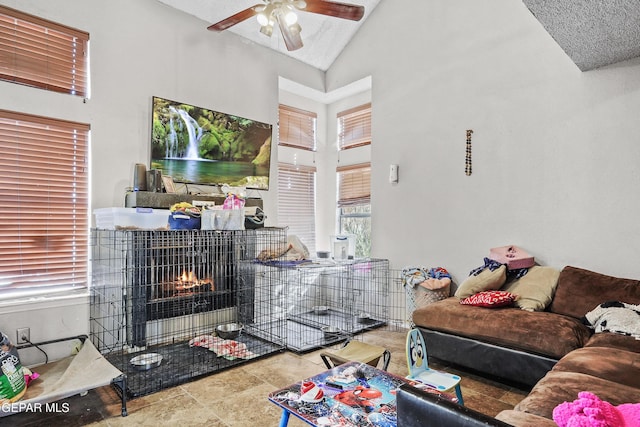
[(23, 332)]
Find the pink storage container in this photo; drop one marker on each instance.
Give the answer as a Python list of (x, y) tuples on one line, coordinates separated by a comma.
[(513, 256)]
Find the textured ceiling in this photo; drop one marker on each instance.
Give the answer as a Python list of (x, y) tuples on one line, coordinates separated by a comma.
[(593, 33), (323, 37)]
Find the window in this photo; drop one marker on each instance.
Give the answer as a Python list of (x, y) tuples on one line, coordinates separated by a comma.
[(354, 205), (43, 54), (297, 128), (296, 202), (44, 192), (354, 127)]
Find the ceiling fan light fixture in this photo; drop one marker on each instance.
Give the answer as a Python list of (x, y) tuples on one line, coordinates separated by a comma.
[(267, 30), (295, 28), (284, 13), (290, 17), (262, 18)]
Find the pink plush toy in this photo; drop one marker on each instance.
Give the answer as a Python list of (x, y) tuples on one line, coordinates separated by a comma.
[(589, 411)]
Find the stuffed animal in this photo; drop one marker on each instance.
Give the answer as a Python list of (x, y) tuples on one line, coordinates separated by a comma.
[(590, 411)]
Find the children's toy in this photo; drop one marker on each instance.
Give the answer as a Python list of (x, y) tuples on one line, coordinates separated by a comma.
[(419, 370)]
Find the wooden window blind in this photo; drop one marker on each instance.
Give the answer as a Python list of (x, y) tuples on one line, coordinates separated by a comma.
[(44, 192), (297, 128), (296, 201), (354, 184), (43, 54), (354, 127)]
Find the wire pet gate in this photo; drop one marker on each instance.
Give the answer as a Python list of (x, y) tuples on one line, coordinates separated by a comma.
[(157, 296)]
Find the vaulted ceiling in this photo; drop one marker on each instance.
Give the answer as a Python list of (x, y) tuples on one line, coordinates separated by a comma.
[(324, 37), (593, 33)]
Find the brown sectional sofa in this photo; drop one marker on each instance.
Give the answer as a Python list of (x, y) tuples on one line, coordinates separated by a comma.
[(551, 351)]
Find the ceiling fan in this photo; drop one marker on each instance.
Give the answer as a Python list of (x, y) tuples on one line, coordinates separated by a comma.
[(283, 13)]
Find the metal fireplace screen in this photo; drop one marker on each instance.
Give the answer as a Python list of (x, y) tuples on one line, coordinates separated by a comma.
[(158, 296)]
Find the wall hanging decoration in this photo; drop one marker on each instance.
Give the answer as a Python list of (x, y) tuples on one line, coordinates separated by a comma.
[(467, 161)]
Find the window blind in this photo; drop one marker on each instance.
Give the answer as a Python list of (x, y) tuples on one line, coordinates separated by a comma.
[(296, 201), (354, 127), (297, 128), (44, 194), (43, 54), (354, 184)]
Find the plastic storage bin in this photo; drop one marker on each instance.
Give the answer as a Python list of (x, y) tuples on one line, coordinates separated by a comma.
[(132, 218), (223, 219)]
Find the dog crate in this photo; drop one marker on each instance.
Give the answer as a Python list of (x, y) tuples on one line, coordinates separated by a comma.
[(157, 298), (325, 303)]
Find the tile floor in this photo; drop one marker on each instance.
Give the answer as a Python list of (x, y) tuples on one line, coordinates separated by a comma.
[(237, 397)]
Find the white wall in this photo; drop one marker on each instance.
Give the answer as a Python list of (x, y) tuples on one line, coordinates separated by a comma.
[(140, 49), (555, 150)]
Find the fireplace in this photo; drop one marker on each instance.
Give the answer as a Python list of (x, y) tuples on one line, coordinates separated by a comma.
[(154, 291)]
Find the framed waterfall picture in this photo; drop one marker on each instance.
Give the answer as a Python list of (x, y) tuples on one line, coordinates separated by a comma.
[(196, 145)]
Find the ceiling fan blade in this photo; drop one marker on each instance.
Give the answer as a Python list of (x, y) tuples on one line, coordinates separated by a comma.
[(334, 8), (290, 34), (236, 19)]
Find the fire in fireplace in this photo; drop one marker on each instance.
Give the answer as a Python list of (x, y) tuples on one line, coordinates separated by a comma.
[(185, 285)]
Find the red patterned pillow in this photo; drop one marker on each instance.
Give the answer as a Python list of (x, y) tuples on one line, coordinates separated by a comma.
[(490, 299)]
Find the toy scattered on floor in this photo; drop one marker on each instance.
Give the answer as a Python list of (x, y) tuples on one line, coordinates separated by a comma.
[(29, 376), (310, 392)]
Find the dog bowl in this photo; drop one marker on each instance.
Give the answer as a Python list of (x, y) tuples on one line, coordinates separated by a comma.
[(229, 331), (330, 332), (321, 309), (147, 361), (363, 317)]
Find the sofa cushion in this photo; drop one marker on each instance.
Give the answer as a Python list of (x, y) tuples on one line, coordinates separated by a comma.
[(490, 299), (486, 280), (535, 289), (523, 419), (558, 387), (580, 291), (609, 339), (537, 332), (612, 364)]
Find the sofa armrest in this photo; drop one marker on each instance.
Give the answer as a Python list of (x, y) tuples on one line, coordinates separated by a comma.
[(417, 408)]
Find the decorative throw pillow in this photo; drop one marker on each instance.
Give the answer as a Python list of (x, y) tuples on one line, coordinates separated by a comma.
[(535, 289), (487, 280), (490, 299)]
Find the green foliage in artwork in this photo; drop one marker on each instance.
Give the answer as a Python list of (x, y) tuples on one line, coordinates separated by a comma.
[(223, 137)]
